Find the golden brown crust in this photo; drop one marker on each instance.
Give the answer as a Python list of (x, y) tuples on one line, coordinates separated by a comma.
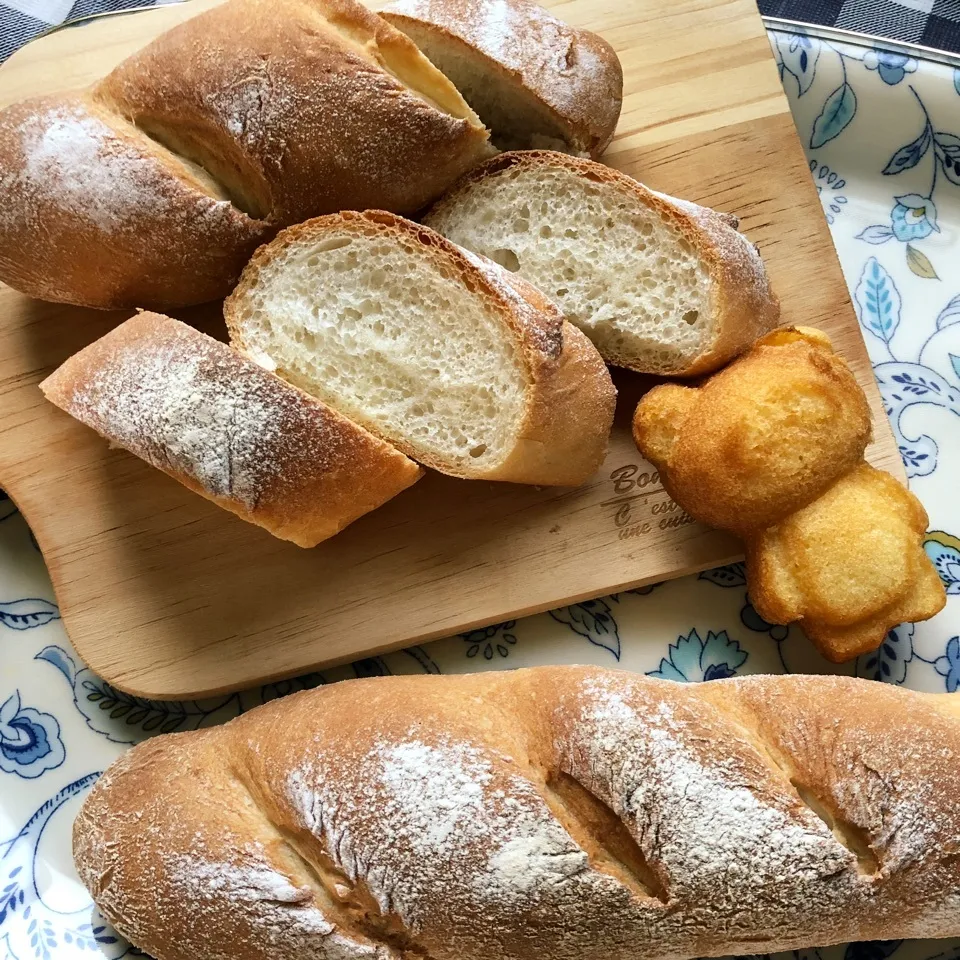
[(742, 301), (574, 75), (772, 449), (228, 429), (158, 184), (301, 107), (887, 579), (94, 213), (563, 434), (559, 813), (760, 439), (564, 437)]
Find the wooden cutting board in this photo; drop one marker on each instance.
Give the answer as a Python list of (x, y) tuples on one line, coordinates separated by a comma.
[(167, 596)]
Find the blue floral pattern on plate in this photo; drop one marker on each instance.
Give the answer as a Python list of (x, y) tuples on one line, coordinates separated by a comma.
[(30, 741), (948, 666), (691, 660), (882, 131)]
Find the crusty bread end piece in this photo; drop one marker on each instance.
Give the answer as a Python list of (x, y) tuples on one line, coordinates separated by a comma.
[(661, 286), (534, 80), (443, 354), (95, 213), (228, 429)]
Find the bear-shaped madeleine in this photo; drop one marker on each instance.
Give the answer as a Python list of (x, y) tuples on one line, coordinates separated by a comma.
[(771, 448)]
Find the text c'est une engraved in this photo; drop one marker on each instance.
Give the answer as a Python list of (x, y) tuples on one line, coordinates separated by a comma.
[(632, 488)]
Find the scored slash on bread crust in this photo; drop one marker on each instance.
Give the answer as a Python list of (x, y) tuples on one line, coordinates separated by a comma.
[(301, 107), (87, 200), (534, 80), (660, 285), (154, 187), (228, 430), (443, 354), (558, 813)]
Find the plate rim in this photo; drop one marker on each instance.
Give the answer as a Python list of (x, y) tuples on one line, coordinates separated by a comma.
[(856, 38)]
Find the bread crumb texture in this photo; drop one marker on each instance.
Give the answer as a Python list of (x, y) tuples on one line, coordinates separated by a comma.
[(394, 333), (616, 268), (659, 285)]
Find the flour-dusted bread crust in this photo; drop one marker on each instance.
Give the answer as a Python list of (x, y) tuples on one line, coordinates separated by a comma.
[(93, 212), (301, 107), (154, 187), (443, 354), (559, 813), (228, 429), (659, 285), (534, 80)]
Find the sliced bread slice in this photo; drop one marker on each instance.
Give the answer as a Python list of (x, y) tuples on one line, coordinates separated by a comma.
[(534, 80), (228, 430), (660, 285), (427, 346)]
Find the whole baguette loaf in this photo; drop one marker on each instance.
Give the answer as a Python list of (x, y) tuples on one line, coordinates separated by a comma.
[(534, 80), (156, 185), (228, 429), (558, 813)]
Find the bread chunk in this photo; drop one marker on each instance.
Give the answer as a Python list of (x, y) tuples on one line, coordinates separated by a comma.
[(445, 355), (659, 285)]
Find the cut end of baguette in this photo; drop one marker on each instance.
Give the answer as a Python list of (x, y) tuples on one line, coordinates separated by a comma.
[(227, 429), (399, 330), (535, 81), (424, 364), (659, 285)]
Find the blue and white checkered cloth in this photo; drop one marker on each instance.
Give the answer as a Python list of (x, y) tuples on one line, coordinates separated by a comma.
[(22, 20), (932, 23)]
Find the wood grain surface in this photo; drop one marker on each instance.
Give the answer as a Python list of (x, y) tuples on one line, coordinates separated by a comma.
[(167, 596)]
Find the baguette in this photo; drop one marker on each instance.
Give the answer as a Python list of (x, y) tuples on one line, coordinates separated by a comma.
[(464, 368), (155, 186), (93, 212), (533, 80), (772, 449), (660, 285), (228, 430), (558, 813)]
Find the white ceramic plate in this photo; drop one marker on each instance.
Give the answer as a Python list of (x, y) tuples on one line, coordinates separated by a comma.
[(882, 133)]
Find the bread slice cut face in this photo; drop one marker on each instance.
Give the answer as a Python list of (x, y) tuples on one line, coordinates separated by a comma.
[(444, 355), (659, 285), (534, 80)]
